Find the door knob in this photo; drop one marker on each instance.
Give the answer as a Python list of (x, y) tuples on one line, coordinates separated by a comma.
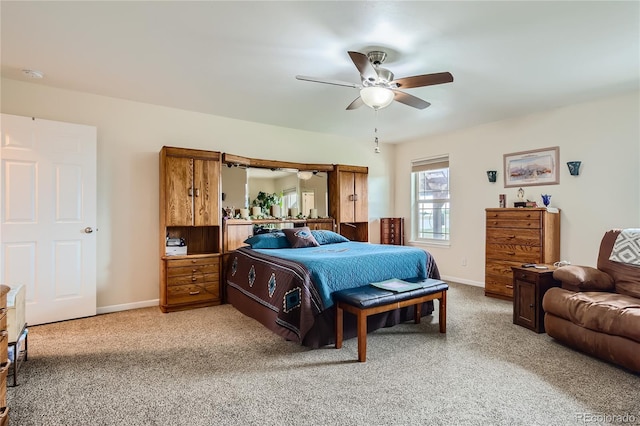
[(88, 230)]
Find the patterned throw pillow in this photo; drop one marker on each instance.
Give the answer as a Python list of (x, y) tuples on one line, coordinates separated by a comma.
[(300, 237), (328, 237), (272, 240)]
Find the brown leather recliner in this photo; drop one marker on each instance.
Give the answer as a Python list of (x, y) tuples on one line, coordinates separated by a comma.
[(597, 311)]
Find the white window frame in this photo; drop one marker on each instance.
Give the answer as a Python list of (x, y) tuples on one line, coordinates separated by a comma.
[(419, 167)]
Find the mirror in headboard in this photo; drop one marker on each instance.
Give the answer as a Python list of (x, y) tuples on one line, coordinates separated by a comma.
[(301, 187)]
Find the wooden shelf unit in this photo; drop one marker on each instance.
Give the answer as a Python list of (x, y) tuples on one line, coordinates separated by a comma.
[(190, 209), (349, 201)]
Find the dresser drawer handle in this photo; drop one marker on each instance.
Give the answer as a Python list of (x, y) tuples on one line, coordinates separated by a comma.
[(194, 279), (531, 305), (509, 286), (511, 253), (193, 261), (523, 276), (194, 270), (511, 237), (194, 293)]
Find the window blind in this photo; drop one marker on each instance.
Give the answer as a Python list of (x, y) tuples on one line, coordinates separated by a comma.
[(433, 163)]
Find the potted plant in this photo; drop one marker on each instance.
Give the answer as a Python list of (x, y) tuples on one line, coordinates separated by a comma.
[(265, 201)]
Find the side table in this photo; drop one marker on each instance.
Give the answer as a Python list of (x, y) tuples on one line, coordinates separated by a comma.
[(529, 287)]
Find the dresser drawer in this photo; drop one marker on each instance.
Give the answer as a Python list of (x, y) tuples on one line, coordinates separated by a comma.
[(192, 293), (519, 214), (527, 237), (497, 286), (4, 346), (4, 370), (173, 263), (193, 270), (193, 279), (513, 253), (515, 223)]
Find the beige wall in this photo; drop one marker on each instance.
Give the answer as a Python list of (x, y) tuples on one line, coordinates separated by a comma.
[(130, 135), (603, 134)]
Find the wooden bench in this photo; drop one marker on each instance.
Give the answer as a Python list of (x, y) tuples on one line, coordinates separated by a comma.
[(369, 300)]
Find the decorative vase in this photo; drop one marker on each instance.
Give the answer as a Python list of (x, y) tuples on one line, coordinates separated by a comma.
[(546, 199), (256, 211), (275, 211), (244, 213), (313, 213), (293, 212)]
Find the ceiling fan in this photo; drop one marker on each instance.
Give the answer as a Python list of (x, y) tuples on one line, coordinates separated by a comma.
[(378, 87)]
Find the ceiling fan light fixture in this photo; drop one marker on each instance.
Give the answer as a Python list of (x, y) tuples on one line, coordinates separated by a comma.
[(376, 97), (305, 175)]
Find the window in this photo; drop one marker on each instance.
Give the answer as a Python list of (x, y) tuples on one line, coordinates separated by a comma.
[(431, 200), (290, 198)]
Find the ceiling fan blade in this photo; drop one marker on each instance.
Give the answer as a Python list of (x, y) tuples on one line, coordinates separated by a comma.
[(423, 80), (357, 103), (367, 71), (410, 100), (325, 81)]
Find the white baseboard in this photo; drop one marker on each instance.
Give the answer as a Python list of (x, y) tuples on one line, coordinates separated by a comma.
[(156, 302), (127, 306), (462, 281)]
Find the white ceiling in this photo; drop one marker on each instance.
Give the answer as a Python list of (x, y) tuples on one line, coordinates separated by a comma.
[(239, 59)]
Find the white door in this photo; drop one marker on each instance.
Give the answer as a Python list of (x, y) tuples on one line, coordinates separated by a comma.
[(48, 216), (308, 202)]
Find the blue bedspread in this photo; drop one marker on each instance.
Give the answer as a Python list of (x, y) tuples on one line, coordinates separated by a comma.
[(335, 267)]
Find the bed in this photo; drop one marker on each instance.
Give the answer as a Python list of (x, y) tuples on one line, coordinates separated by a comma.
[(285, 281)]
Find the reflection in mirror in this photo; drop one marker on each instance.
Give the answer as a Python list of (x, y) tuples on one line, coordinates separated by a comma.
[(234, 188), (289, 185)]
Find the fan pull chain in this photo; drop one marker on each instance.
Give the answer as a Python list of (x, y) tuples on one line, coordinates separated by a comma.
[(377, 148)]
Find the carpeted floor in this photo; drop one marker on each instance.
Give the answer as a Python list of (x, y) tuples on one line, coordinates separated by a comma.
[(215, 366)]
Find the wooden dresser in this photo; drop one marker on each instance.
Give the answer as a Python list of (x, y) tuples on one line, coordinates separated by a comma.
[(392, 230), (4, 357), (515, 236)]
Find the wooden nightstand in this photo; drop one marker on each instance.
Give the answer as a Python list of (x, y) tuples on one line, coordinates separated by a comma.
[(529, 286)]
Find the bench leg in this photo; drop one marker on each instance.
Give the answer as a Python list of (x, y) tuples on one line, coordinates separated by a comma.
[(443, 312), (362, 336), (339, 329), (417, 313)]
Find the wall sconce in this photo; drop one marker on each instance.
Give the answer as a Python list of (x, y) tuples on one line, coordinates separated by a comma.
[(491, 175), (574, 167)]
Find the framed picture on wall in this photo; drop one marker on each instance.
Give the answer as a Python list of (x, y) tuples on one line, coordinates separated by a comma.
[(529, 168)]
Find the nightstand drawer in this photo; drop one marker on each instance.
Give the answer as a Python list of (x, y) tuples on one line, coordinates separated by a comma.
[(193, 270), (525, 275), (173, 263), (193, 279), (192, 293)]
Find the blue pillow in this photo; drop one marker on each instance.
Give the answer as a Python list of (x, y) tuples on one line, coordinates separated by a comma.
[(271, 240), (328, 237)]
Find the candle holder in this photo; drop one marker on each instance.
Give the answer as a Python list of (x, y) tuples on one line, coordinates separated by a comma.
[(574, 167)]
